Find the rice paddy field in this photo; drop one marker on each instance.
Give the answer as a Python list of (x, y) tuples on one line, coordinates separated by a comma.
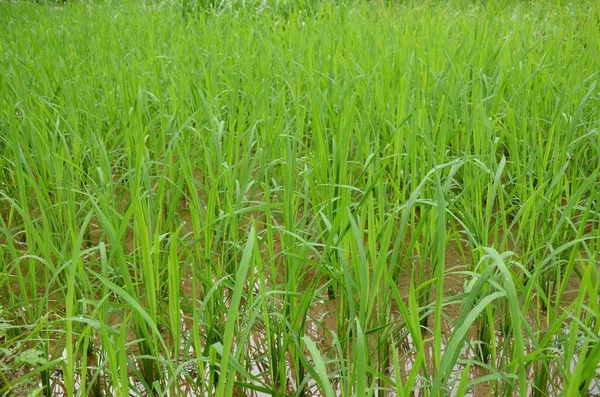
[(299, 198)]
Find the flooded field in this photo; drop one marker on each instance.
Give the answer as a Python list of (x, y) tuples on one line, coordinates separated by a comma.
[(299, 198)]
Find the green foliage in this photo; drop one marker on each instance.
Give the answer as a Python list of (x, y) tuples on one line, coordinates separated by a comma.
[(299, 197)]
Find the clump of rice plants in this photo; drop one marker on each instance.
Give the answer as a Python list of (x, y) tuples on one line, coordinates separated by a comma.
[(299, 198)]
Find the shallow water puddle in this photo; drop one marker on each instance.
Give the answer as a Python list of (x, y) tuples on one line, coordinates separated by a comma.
[(322, 317)]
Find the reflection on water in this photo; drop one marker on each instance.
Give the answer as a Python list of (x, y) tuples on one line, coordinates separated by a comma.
[(322, 318)]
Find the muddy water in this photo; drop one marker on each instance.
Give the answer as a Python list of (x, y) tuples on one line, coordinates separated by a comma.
[(324, 311), (322, 318)]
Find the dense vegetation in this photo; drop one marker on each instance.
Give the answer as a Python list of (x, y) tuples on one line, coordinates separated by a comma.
[(336, 198)]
